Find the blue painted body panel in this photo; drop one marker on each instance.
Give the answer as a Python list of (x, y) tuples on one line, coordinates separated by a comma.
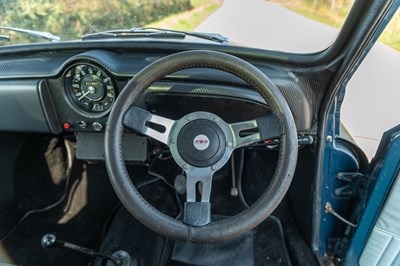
[(338, 160), (386, 168)]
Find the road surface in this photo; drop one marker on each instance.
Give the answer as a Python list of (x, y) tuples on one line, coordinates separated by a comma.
[(370, 106)]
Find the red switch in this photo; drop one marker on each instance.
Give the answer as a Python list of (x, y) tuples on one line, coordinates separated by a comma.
[(66, 125)]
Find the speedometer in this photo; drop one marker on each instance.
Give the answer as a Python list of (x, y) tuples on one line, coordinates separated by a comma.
[(89, 90)]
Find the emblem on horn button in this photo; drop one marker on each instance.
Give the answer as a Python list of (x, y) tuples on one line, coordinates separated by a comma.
[(201, 142)]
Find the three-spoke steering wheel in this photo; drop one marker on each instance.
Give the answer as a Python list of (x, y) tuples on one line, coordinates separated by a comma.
[(200, 143)]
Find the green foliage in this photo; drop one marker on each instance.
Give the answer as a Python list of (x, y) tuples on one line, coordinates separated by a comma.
[(70, 19), (334, 13)]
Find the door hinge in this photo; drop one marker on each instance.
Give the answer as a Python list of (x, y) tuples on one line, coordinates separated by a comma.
[(337, 247), (356, 183)]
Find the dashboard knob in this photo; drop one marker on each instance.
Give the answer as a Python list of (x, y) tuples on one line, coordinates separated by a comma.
[(82, 124), (97, 126)]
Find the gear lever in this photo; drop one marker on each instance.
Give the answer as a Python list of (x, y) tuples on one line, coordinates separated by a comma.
[(119, 258)]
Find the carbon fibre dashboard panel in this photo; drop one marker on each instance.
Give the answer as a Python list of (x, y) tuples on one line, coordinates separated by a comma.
[(302, 87)]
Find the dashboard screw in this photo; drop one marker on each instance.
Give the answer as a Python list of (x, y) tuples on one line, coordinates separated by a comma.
[(172, 141), (214, 167), (215, 119), (229, 144), (329, 138), (184, 166), (189, 118)]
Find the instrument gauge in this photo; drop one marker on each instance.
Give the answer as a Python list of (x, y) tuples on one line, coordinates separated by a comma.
[(89, 89)]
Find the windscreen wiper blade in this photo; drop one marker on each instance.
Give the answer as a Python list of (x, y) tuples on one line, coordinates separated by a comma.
[(132, 33), (38, 34), (151, 32), (216, 37)]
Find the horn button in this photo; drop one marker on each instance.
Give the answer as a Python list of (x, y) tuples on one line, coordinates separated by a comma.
[(201, 143)]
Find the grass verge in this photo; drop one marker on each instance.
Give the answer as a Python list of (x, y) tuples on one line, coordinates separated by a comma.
[(323, 13)]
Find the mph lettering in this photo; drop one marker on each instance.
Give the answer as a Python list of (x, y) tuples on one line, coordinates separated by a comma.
[(91, 83)]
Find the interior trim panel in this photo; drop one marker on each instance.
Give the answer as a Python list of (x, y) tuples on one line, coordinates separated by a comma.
[(383, 245), (21, 108)]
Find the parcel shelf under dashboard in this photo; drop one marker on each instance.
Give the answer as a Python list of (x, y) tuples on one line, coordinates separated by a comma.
[(90, 146)]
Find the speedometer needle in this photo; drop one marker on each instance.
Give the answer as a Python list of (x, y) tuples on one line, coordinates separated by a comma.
[(83, 95)]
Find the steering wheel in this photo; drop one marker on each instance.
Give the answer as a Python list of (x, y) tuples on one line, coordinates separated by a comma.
[(200, 143)]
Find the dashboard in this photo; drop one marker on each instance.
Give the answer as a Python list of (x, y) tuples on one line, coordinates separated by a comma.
[(74, 91)]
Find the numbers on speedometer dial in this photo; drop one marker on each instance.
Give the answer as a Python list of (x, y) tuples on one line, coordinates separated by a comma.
[(89, 89)]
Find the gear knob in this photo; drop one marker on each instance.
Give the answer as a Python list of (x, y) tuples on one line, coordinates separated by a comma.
[(49, 240)]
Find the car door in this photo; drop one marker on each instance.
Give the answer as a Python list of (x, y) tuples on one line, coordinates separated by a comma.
[(357, 218), (376, 240)]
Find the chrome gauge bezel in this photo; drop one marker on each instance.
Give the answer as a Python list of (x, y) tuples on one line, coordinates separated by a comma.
[(71, 98)]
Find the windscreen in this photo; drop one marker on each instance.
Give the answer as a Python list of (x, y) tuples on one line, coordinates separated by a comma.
[(299, 26)]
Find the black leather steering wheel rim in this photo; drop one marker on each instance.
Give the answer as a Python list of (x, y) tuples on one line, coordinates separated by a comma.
[(222, 229)]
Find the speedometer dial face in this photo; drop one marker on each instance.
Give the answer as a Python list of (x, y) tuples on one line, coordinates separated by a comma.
[(89, 89)]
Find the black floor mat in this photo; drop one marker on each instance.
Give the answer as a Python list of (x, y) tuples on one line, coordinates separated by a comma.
[(80, 218), (36, 185), (270, 246), (125, 233), (234, 252), (128, 234)]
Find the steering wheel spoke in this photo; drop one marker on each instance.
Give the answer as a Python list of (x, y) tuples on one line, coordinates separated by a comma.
[(154, 126), (197, 212), (244, 133)]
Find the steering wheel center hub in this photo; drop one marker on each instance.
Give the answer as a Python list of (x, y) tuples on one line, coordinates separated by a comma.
[(201, 143)]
